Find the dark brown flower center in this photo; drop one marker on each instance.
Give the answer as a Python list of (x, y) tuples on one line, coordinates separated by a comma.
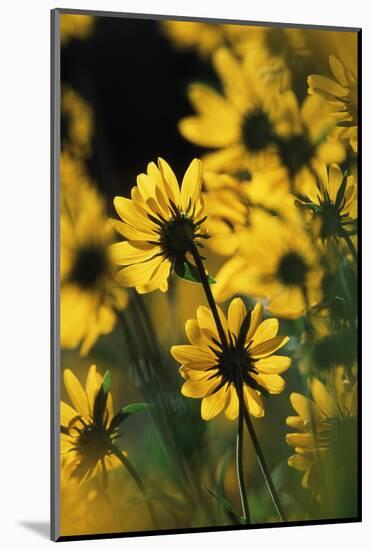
[(256, 131), (292, 270), (91, 264)]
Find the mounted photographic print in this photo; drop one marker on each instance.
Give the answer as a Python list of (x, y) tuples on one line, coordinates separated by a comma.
[(204, 280)]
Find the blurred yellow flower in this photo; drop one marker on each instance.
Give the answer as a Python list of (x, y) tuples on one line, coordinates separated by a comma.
[(204, 37), (160, 223), (325, 426), (79, 122), (240, 124), (227, 209), (277, 260), (333, 201), (340, 94), (75, 26), (89, 294), (303, 142), (213, 373), (271, 54), (89, 428)]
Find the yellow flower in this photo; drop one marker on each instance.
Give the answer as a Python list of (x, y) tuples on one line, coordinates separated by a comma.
[(340, 94), (272, 54), (277, 260), (325, 427), (212, 373), (333, 202), (75, 26), (89, 294), (160, 223), (79, 123), (89, 427), (227, 209), (303, 142), (204, 37), (240, 124), (229, 200)]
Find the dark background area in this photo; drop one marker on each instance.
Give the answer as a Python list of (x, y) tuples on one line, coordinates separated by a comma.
[(135, 82)]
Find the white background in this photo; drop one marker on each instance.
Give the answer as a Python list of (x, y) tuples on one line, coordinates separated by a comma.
[(24, 271)]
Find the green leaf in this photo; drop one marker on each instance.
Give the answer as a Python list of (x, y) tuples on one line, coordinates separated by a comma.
[(189, 272), (126, 411), (228, 508), (106, 382)]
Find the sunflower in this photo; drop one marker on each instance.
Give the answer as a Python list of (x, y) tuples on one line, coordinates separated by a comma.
[(89, 294), (304, 141), (276, 260), (325, 427), (240, 125), (340, 94), (215, 374), (89, 428), (333, 201), (161, 223), (75, 26)]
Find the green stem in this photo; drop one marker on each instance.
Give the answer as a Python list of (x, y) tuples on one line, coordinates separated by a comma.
[(350, 244), (209, 295), (239, 468), (137, 480), (263, 465)]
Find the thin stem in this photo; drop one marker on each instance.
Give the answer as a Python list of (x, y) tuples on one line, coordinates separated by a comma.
[(350, 244), (263, 465), (209, 295), (239, 468), (138, 481)]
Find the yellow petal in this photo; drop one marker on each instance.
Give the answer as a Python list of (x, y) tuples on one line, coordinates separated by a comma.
[(200, 388), (301, 440), (338, 70), (76, 393), (305, 408), (236, 314), (214, 404), (276, 364), (170, 181), (256, 317), (132, 214), (138, 274), (67, 414), (266, 330), (268, 347), (126, 253), (274, 383), (300, 462), (158, 279), (91, 387), (232, 410), (132, 233), (253, 402), (191, 185), (186, 354), (322, 398)]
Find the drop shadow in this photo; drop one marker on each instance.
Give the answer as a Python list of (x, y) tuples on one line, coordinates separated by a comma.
[(41, 528)]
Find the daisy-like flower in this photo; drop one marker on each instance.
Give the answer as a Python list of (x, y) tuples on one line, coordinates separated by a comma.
[(333, 201), (276, 260), (240, 124), (161, 223), (306, 143), (89, 428), (325, 428), (340, 94), (90, 296), (215, 374)]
